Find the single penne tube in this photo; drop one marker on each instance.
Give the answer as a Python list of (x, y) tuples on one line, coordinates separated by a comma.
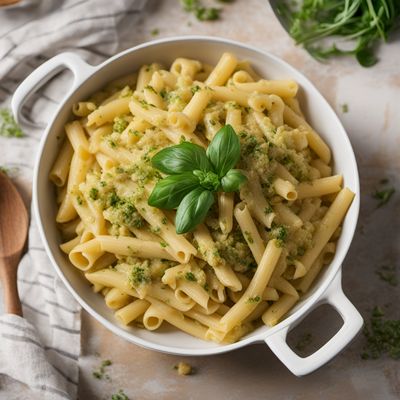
[(225, 93), (185, 67), (329, 223), (286, 216), (59, 173), (283, 88), (107, 113), (132, 311), (98, 136), (225, 211), (294, 104), (278, 309), (106, 163), (234, 118), (212, 307), (216, 288), (153, 98), (241, 76), (77, 138), (152, 318), (249, 230), (223, 70), (285, 189), (112, 278), (145, 74), (149, 113), (314, 140), (178, 319), (116, 299), (194, 109), (83, 108), (121, 245), (66, 247), (254, 292), (319, 187)]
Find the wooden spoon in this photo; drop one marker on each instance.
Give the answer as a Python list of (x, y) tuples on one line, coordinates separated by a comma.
[(13, 231)]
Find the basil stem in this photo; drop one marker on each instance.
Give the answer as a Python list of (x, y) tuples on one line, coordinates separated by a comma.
[(169, 192), (184, 157), (224, 150), (193, 209)]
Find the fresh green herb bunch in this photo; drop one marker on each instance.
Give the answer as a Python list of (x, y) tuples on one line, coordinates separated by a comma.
[(194, 175), (363, 21)]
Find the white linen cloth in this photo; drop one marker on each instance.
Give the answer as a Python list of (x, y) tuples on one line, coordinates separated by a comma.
[(42, 349)]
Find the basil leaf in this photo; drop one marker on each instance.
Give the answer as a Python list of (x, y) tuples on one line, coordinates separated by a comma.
[(170, 191), (232, 181), (193, 209), (181, 158), (224, 150)]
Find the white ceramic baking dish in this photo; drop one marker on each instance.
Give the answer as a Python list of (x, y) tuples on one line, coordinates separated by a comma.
[(88, 79)]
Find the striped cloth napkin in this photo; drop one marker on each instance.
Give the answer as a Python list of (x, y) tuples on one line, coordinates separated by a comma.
[(42, 349)]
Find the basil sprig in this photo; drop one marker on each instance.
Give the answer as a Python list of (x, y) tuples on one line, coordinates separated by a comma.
[(194, 175)]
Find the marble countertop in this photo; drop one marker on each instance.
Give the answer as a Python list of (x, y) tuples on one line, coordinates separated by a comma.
[(373, 125)]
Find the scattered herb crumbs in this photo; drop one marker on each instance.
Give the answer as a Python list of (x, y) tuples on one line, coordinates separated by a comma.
[(248, 237), (183, 368), (119, 396), (112, 144), (382, 337), (255, 299), (8, 126), (163, 244), (100, 372), (164, 221), (268, 210), (303, 342), (119, 124), (345, 108), (195, 89), (190, 277), (79, 200), (383, 195), (388, 274), (155, 32), (94, 193), (202, 13)]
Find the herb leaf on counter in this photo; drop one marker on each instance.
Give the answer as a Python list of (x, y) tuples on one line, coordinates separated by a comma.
[(8, 126)]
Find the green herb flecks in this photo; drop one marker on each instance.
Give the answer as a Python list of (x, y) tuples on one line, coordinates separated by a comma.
[(94, 193), (363, 23), (255, 299), (119, 124), (194, 175), (382, 337), (8, 126), (100, 372), (120, 395), (189, 276), (388, 274), (383, 195), (201, 12), (345, 108), (155, 32), (140, 274)]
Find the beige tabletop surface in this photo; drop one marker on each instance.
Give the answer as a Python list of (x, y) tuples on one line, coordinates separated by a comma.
[(252, 373)]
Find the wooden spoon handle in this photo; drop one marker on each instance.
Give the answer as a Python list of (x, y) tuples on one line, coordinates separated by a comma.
[(12, 303)]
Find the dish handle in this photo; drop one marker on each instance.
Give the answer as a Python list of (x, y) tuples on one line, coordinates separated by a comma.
[(41, 75), (352, 323)]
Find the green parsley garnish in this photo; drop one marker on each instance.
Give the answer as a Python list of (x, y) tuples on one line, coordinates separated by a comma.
[(100, 372), (140, 274), (94, 193), (119, 124), (362, 22), (382, 336), (345, 108), (119, 396), (189, 276), (202, 13), (8, 126), (383, 195), (195, 175), (155, 32), (255, 299)]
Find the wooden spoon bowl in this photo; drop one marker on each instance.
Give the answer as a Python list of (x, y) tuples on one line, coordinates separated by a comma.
[(14, 223)]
